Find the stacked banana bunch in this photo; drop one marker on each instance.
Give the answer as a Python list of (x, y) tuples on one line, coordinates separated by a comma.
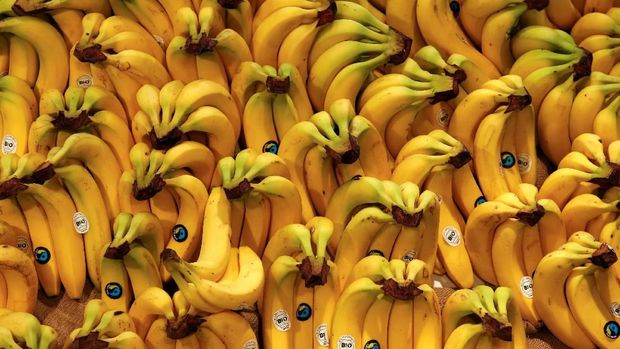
[(130, 262), (483, 318), (328, 150), (301, 287), (588, 212), (23, 330), (104, 327), (430, 162), (261, 197), (385, 218), (507, 237), (598, 33), (565, 13), (577, 291), (387, 304), (271, 102)]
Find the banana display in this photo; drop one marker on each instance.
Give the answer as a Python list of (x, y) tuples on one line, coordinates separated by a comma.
[(306, 173)]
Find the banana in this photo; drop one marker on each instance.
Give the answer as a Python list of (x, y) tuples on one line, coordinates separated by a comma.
[(23, 60), (592, 24), (232, 329), (24, 326), (277, 305), (587, 104), (115, 281), (21, 279), (563, 14), (460, 304), (142, 269), (496, 33), (465, 336), (541, 37)]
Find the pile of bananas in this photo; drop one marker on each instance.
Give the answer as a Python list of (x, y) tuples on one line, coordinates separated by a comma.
[(306, 173)]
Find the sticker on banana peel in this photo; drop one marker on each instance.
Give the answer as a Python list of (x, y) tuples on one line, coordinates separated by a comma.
[(160, 40), (507, 159), (375, 253), (479, 201), (525, 163), (271, 147), (614, 309), (451, 235), (409, 256), (281, 320), (612, 330), (179, 233), (9, 144), (85, 81), (113, 290), (80, 223), (304, 312), (22, 244), (372, 344), (321, 335), (42, 255), (527, 286), (443, 117), (251, 344), (346, 342)]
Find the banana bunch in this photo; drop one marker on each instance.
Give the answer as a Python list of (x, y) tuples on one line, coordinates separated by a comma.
[(409, 101), (451, 39), (237, 15), (105, 327), (506, 239), (577, 292), (197, 53), (402, 16), (36, 203), (169, 322), (202, 111), (18, 109), (262, 199), (330, 149), (92, 110), (389, 304), (173, 186), (545, 58), (37, 55), (588, 212), (271, 102), (586, 169), (371, 216), (23, 330), (493, 319), (346, 51), (301, 287), (497, 124), (130, 262), (19, 280), (430, 162), (599, 34), (117, 54)]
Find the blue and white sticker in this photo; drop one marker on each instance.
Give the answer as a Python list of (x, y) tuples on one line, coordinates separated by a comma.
[(372, 344), (271, 147), (304, 312), (42, 255), (179, 233), (113, 290), (612, 330)]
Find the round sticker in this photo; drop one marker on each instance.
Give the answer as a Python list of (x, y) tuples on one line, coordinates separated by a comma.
[(375, 253), (9, 144), (85, 81), (443, 118), (179, 233), (455, 7), (409, 256), (114, 290), (372, 344), (322, 336), (22, 243), (346, 342), (508, 160), (42, 255), (304, 312), (525, 163), (281, 320), (271, 147), (80, 223), (451, 235), (527, 286), (479, 201), (614, 308), (251, 344), (612, 330)]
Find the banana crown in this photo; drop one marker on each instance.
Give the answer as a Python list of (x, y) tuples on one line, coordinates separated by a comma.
[(436, 143), (143, 228), (16, 172), (588, 155), (19, 328)]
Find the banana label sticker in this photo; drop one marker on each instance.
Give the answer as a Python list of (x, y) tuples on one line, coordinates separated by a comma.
[(179, 233), (271, 147), (9, 144), (85, 81), (409, 256), (372, 344), (443, 118), (614, 309), (527, 286), (451, 235), (160, 41), (251, 344), (346, 342), (42, 255), (525, 163), (321, 335), (612, 330), (80, 223), (22, 243), (479, 201), (114, 290), (282, 320), (508, 159), (375, 253), (304, 312)]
